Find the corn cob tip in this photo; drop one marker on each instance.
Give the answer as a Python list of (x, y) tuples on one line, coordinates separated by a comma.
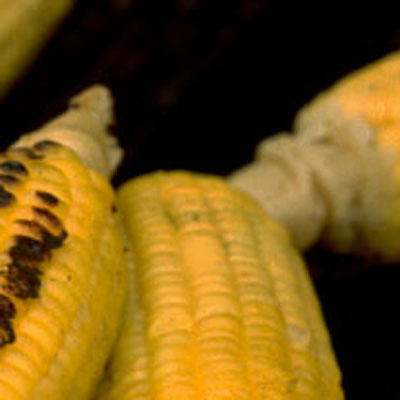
[(84, 127), (97, 99)]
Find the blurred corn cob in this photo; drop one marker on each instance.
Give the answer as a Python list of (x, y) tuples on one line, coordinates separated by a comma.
[(338, 176), (62, 270), (25, 25), (220, 305)]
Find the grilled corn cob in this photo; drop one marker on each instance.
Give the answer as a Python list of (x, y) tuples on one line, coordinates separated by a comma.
[(338, 176), (220, 306), (24, 27), (62, 269)]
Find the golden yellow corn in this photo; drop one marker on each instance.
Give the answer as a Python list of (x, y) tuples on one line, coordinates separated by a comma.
[(24, 26), (220, 306), (372, 94), (62, 267)]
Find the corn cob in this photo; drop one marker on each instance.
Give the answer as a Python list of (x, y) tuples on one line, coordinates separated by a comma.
[(62, 268), (220, 306), (24, 26), (338, 176), (370, 99)]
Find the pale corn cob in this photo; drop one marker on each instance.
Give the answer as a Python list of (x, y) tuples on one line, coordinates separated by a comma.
[(25, 25), (220, 306), (369, 98), (62, 271), (338, 176)]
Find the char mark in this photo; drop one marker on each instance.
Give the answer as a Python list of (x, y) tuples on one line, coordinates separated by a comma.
[(53, 241), (7, 312), (50, 240), (7, 308), (6, 179), (6, 197), (27, 251), (47, 198), (7, 335), (13, 166), (48, 216), (23, 281)]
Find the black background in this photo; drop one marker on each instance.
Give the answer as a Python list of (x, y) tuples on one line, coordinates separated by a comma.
[(197, 84)]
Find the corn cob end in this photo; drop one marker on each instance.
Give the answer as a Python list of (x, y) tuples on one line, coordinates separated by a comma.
[(84, 129)]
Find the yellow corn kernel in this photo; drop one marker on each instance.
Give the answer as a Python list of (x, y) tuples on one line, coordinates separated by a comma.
[(220, 306), (372, 92)]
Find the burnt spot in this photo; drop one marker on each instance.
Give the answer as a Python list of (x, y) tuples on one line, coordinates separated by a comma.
[(6, 197), (45, 144), (23, 281), (7, 334), (113, 209), (6, 179), (49, 240), (27, 251), (29, 153), (7, 308), (47, 198), (54, 241), (7, 312), (22, 274), (21, 278), (13, 166), (48, 216)]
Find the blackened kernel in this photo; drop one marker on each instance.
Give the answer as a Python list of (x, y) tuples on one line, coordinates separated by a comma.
[(53, 241), (14, 167), (49, 240), (47, 198), (48, 216), (6, 179), (7, 335), (45, 144), (27, 251), (23, 281), (7, 308), (6, 198)]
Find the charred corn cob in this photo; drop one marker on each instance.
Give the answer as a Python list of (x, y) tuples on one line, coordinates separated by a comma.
[(220, 306), (62, 267), (24, 27), (338, 176)]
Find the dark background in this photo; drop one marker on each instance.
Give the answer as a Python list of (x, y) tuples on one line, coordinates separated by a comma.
[(197, 84)]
